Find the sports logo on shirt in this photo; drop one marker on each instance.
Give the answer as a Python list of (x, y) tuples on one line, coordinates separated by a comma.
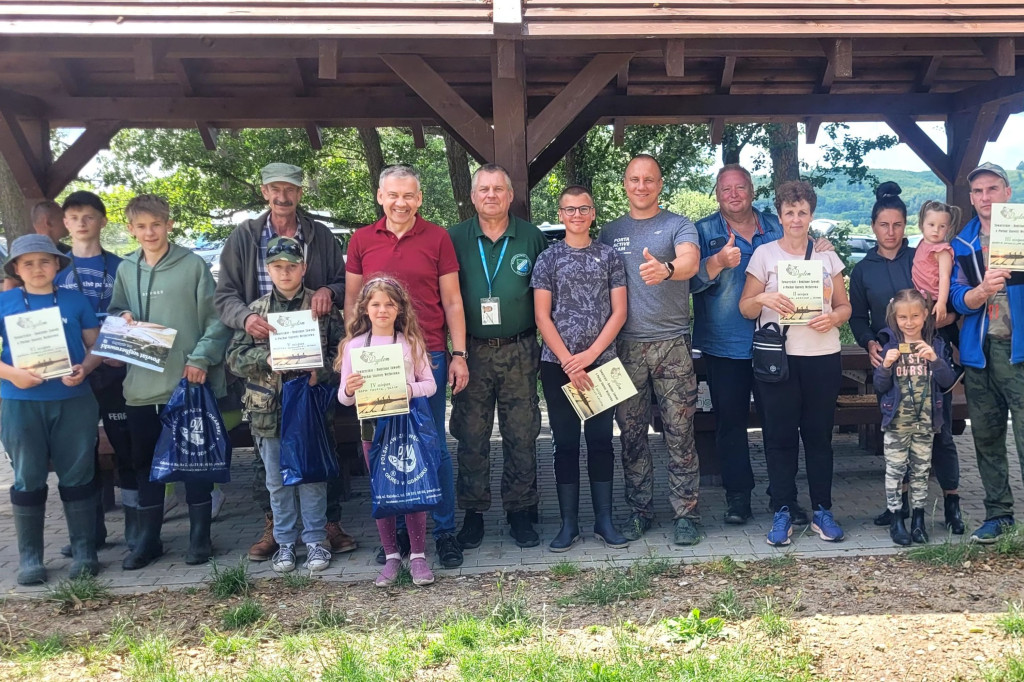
[(521, 264)]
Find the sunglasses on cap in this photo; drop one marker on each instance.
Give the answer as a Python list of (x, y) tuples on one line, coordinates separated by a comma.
[(288, 247)]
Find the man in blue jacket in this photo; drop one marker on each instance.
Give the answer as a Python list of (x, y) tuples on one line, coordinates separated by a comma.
[(991, 348)]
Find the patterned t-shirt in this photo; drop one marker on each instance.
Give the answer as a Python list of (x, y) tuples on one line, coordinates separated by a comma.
[(914, 377), (580, 282)]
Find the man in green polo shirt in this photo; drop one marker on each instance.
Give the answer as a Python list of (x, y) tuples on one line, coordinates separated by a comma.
[(496, 253)]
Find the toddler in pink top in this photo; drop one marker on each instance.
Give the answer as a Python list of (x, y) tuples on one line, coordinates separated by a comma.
[(933, 261), (384, 314)]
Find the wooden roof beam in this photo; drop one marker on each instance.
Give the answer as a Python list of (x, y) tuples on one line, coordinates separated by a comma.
[(15, 102), (675, 49), (728, 71), (996, 90), (839, 62), (622, 79), (418, 140), (25, 163), (566, 140), (619, 132), (208, 134), (928, 74), (1001, 54), (68, 165), (144, 58), (327, 59), (183, 70), (507, 17), (297, 77), (920, 143), (463, 121), (1005, 110), (315, 135), (811, 127), (67, 74), (572, 100), (968, 132), (508, 102), (717, 130)]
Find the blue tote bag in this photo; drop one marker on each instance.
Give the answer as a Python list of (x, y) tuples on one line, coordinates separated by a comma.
[(307, 451), (403, 462), (193, 445)]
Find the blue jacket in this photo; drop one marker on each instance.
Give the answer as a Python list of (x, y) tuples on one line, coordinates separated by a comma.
[(889, 391), (718, 327), (968, 272)]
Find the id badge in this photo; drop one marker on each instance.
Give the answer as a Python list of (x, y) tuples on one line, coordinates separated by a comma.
[(490, 311)]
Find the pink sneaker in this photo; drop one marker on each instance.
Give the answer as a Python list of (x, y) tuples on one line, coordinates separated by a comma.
[(388, 574), (420, 572)]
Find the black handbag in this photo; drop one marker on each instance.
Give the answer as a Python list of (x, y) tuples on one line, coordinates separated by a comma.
[(770, 363)]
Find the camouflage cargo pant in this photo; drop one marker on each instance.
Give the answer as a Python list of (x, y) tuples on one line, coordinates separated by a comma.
[(908, 447), (505, 376), (665, 366), (991, 393)]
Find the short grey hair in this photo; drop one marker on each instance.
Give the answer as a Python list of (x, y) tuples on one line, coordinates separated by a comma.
[(734, 168), (491, 168), (399, 170)]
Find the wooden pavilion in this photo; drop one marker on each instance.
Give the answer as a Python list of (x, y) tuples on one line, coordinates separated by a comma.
[(517, 82)]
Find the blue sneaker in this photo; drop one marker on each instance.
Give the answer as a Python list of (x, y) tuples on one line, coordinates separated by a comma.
[(824, 524), (782, 528), (991, 529)]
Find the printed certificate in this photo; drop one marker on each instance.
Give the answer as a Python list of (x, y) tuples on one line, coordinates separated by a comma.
[(143, 344), (385, 391), (612, 385), (802, 282), (1006, 241), (38, 343), (296, 345)]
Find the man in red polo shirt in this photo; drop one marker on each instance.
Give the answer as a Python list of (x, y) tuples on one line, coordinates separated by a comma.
[(420, 255)]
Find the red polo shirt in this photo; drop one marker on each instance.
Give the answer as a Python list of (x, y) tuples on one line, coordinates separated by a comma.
[(418, 260)]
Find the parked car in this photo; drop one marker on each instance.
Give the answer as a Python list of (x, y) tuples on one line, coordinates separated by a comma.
[(554, 233), (913, 240), (859, 246)]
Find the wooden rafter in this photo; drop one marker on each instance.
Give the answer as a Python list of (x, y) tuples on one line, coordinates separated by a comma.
[(21, 158), (1001, 54), (68, 165), (970, 135), (70, 80), (24, 105), (507, 17), (674, 51), (717, 129), (144, 58), (996, 90), (811, 127), (928, 73), (566, 140), (418, 141), (297, 77), (327, 59), (618, 132), (315, 135), (622, 79), (208, 134), (728, 72)]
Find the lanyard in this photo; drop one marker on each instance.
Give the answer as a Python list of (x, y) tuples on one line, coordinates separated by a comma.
[(103, 282), (144, 302), (483, 261), (369, 336), (24, 297)]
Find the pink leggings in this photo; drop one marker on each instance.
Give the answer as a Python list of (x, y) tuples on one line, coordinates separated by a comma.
[(415, 523)]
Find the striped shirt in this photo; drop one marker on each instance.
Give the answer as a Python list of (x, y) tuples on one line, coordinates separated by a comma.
[(266, 285)]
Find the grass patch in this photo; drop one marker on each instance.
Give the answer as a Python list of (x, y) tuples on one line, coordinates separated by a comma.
[(947, 553), (1010, 670), (769, 578), (770, 619), (150, 658), (323, 617), (613, 585), (1012, 622), (44, 649), (230, 582), (296, 580), (1010, 542), (727, 605), (275, 673), (224, 644), (461, 634), (692, 629), (565, 569), (781, 561), (73, 592), (248, 612), (724, 566)]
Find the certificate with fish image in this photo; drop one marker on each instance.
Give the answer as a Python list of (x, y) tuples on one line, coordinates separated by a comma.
[(1006, 240), (612, 385), (143, 344), (38, 343), (385, 391), (296, 343), (801, 281)]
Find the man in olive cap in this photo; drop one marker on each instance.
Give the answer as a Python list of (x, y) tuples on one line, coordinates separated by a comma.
[(244, 278)]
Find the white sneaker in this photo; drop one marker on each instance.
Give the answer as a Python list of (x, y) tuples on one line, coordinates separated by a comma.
[(318, 557), (283, 560), (218, 501)]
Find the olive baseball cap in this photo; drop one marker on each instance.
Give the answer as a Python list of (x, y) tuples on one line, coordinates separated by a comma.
[(283, 248), (988, 167), (281, 172)]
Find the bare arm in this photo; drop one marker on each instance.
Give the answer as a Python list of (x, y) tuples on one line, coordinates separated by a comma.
[(455, 317), (750, 306), (353, 285), (546, 325), (686, 262), (945, 260)]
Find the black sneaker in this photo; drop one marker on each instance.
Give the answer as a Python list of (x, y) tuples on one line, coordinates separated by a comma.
[(449, 553), (404, 546), (472, 533), (738, 509), (521, 529), (798, 516)]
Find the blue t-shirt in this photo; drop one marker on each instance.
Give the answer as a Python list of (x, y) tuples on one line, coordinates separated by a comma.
[(93, 277), (77, 314)]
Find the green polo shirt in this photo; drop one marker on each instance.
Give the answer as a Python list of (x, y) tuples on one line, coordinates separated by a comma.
[(511, 283)]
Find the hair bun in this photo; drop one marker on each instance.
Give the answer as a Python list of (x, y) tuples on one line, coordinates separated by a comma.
[(887, 189)]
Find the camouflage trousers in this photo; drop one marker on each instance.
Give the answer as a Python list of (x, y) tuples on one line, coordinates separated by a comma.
[(991, 393), (666, 368), (505, 376), (907, 447)]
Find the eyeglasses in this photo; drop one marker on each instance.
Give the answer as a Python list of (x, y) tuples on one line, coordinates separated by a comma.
[(289, 247), (571, 210)]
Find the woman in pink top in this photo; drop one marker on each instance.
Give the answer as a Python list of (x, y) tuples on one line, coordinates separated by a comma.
[(384, 315), (933, 261)]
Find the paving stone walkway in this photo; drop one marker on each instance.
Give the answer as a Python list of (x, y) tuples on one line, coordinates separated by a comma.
[(858, 496)]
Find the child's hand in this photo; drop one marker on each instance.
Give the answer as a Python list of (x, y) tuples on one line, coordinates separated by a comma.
[(76, 377), (891, 356), (353, 384), (925, 351), (24, 378), (127, 317), (939, 310), (581, 381), (312, 377)]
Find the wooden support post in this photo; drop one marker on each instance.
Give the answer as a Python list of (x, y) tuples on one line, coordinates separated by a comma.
[(1001, 54), (1005, 110), (327, 55), (839, 52), (622, 80), (728, 72), (717, 128), (68, 165), (911, 134), (674, 51), (510, 146), (316, 139), (145, 59), (811, 127), (618, 132), (418, 141), (208, 134)]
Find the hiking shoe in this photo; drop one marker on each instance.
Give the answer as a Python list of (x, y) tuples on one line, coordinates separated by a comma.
[(449, 554), (521, 529), (782, 528), (284, 558), (389, 574), (420, 572), (318, 558), (991, 529), (217, 498), (798, 515), (686, 532), (825, 525), (636, 526), (339, 540), (266, 546), (404, 546), (472, 533), (738, 510)]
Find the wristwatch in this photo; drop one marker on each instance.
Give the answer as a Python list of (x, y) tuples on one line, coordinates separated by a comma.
[(671, 268), (460, 354)]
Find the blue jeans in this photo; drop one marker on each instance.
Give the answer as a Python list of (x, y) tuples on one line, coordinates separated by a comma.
[(62, 432), (312, 499)]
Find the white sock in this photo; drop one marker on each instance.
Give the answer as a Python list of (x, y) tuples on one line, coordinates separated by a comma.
[(394, 556), (418, 555)]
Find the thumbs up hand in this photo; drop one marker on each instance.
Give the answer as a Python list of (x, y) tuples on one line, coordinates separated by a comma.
[(653, 271), (729, 256)]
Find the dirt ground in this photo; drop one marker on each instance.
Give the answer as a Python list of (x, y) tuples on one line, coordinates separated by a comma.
[(886, 618)]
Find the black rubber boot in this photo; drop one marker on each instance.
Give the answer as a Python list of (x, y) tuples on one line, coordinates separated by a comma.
[(521, 529), (569, 509), (917, 531), (898, 531), (147, 542), (954, 519), (200, 548), (738, 510), (29, 513), (101, 530), (131, 526), (80, 505), (604, 527)]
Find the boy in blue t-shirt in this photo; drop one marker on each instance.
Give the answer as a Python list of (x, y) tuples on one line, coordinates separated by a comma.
[(47, 422), (91, 273)]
